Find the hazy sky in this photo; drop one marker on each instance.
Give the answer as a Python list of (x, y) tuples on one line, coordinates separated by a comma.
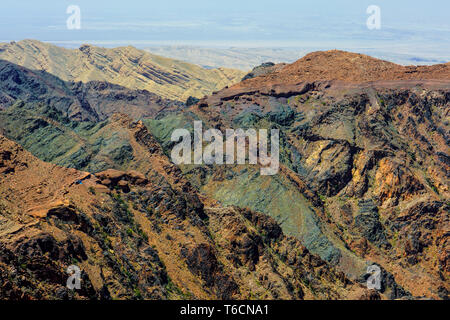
[(407, 24)]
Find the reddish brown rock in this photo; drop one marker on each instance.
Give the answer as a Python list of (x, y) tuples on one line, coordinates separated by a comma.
[(123, 185)]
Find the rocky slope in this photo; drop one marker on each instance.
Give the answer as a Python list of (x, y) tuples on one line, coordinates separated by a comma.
[(92, 101), (264, 69), (349, 67), (364, 174), (124, 66), (143, 237), (365, 166)]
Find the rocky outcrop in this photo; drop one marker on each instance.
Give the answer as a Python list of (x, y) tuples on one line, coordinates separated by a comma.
[(368, 223), (263, 69), (118, 179), (148, 242)]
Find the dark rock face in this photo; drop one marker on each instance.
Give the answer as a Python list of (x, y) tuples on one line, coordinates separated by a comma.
[(202, 260), (388, 284), (192, 101), (34, 261), (64, 213), (265, 224), (419, 230), (93, 101), (283, 116), (368, 223)]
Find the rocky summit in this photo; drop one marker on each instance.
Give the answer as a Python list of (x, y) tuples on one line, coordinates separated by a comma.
[(86, 180), (349, 67)]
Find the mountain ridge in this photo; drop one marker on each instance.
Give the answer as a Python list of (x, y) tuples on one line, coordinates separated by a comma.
[(363, 176), (91, 101), (125, 66), (138, 237), (347, 67)]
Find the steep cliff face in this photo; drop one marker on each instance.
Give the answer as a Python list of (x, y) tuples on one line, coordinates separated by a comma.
[(137, 236), (124, 66)]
